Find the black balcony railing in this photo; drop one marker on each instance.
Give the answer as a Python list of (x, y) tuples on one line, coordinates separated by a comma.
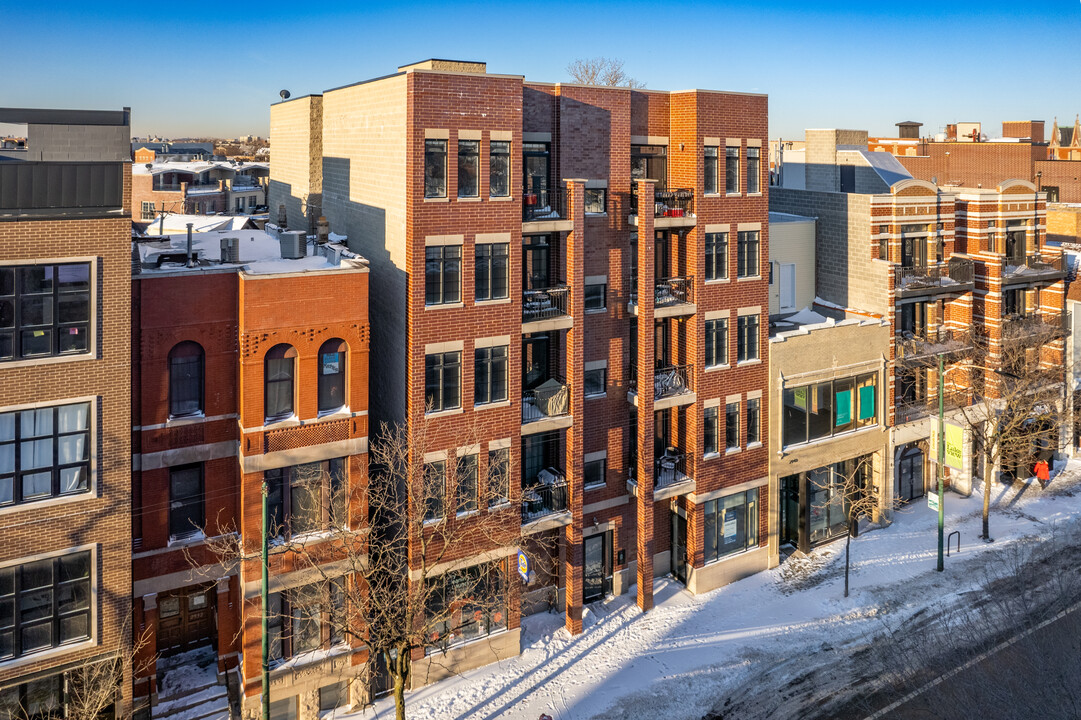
[(1032, 263), (924, 347), (669, 469), (1036, 328), (45, 188), (958, 271), (550, 399), (666, 291), (544, 303), (546, 496), (668, 203), (907, 409), (668, 381), (547, 204)]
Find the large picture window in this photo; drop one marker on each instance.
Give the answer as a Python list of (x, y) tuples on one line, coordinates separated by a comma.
[(465, 605), (44, 604), (820, 410), (44, 453), (435, 168), (442, 274), (331, 384), (731, 524), (186, 373), (279, 371), (305, 619), (44, 310), (186, 505), (442, 381), (306, 498)]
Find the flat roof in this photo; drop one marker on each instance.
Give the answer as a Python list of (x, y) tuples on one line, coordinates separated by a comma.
[(46, 116)]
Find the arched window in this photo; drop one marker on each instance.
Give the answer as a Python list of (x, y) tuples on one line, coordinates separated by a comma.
[(331, 371), (278, 371), (186, 379)]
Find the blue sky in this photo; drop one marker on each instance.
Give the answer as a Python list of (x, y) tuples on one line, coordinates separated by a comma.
[(214, 69)]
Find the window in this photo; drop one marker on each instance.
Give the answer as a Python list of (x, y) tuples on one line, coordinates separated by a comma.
[(731, 169), (306, 618), (44, 604), (649, 162), (251, 202), (716, 256), (284, 709), (331, 371), (435, 489), (596, 381), (469, 168), (467, 483), (754, 170), (306, 498), (813, 412), (716, 342), (596, 296), (709, 443), (711, 160), (731, 524), (594, 472), (491, 271), (147, 210), (35, 700), (333, 696), (747, 340), (278, 372), (490, 375), (747, 254), (442, 274), (44, 453), (186, 379), (498, 476), (186, 512), (435, 168), (499, 169), (731, 426), (44, 310), (443, 381), (754, 421), (465, 605), (596, 200)]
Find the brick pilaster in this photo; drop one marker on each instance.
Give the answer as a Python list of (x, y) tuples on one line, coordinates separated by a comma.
[(646, 362), (576, 250)]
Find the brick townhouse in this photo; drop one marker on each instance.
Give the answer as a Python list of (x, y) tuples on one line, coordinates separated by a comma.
[(951, 269), (197, 187), (65, 404), (249, 368), (543, 255)]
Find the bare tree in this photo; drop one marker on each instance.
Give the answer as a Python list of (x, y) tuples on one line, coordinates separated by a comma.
[(602, 71), (397, 557)]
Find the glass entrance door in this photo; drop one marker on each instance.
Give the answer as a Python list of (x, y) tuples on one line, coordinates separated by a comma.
[(596, 568), (910, 474)]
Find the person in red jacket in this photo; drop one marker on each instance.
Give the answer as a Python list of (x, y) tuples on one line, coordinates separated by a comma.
[(1043, 473)]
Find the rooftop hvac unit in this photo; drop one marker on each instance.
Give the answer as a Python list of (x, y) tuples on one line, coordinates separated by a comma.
[(230, 250), (294, 244)]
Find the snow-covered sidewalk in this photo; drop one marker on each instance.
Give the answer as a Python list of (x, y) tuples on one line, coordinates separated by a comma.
[(690, 651)]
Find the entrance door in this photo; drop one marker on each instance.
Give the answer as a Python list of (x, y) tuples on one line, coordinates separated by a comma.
[(679, 547), (913, 252), (185, 620), (596, 570), (381, 682), (790, 510), (788, 286), (910, 474)]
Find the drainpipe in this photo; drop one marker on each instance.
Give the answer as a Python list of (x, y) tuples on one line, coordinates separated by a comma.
[(265, 598), (191, 260)]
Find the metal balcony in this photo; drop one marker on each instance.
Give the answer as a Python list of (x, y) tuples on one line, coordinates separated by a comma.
[(957, 275), (672, 297), (671, 208), (1033, 267)]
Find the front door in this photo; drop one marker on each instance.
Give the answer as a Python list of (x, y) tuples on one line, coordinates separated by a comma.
[(910, 474), (679, 547), (596, 571), (788, 287), (790, 510), (185, 620)]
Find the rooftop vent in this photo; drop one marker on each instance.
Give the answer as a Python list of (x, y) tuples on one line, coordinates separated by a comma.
[(230, 250), (294, 244)]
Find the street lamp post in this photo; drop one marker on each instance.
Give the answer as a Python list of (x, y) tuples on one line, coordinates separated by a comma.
[(941, 457)]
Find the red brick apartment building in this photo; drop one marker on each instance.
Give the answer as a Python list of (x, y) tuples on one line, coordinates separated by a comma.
[(945, 265), (65, 404), (248, 368), (542, 256), (200, 187)]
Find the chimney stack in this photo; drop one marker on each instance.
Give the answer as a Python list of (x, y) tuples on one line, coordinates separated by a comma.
[(191, 261)]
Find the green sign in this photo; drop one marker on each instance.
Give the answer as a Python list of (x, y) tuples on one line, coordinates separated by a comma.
[(867, 402), (800, 395), (843, 403)]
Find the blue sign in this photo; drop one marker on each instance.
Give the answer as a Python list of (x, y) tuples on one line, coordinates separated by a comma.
[(523, 566)]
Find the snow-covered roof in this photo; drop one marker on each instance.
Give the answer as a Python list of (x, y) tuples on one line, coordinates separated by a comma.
[(885, 165), (196, 166), (259, 252), (199, 224)]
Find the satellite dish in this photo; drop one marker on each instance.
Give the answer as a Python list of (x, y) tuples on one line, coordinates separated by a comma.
[(284, 94)]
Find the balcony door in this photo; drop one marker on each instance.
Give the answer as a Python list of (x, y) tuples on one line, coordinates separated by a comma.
[(1015, 244), (536, 262), (662, 255), (535, 360), (912, 320), (913, 252), (535, 158), (662, 344), (788, 286)]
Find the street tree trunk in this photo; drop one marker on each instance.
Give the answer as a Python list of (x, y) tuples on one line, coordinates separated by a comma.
[(399, 668)]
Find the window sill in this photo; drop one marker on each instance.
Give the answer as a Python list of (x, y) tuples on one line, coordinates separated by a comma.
[(339, 413), (499, 506), (37, 657), (500, 198), (715, 368), (733, 194), (596, 311), (433, 521), (711, 195), (757, 194), (749, 277), (279, 423), (466, 513), (483, 303), (443, 413), (818, 441), (436, 199), (718, 281), (754, 445), (748, 363), (179, 420), (597, 214), (468, 198), (45, 502), (186, 541), (49, 360), (489, 406), (731, 451), (445, 306), (711, 456), (595, 396), (595, 486)]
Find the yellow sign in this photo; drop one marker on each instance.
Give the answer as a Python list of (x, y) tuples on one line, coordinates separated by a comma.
[(955, 445)]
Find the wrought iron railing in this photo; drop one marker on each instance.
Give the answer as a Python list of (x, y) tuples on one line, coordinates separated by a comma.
[(547, 204), (544, 303), (1032, 262), (931, 342), (668, 381), (957, 270), (1037, 327), (668, 203), (666, 291), (551, 399), (669, 469), (540, 498)]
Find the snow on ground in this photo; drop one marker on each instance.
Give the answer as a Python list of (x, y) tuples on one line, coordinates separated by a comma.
[(689, 651)]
